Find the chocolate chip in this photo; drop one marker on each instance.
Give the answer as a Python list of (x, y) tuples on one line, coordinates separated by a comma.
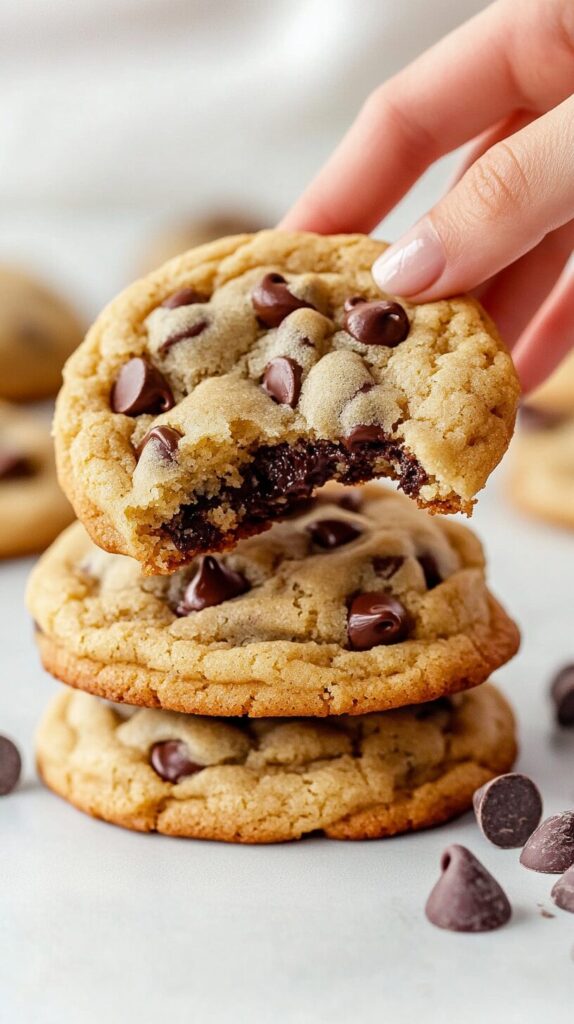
[(212, 584), (563, 891), (333, 533), (282, 380), (186, 334), (430, 570), (562, 692), (375, 619), (164, 439), (377, 323), (183, 297), (352, 301), (272, 300), (14, 465), (387, 565), (466, 897), (550, 848), (508, 809), (10, 766), (365, 433), (170, 759), (140, 388), (351, 499)]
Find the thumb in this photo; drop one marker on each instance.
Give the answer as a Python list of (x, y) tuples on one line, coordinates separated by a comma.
[(505, 203)]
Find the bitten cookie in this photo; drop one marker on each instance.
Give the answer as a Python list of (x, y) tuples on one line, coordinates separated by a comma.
[(215, 394), (38, 331), (268, 781), (33, 509), (360, 604)]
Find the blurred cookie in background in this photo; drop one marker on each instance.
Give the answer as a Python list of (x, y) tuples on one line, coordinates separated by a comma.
[(542, 456), (192, 231), (38, 331), (33, 509)]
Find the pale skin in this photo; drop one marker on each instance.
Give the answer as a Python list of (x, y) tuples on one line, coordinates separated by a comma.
[(503, 83)]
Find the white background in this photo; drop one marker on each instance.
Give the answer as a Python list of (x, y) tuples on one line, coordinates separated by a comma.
[(115, 115)]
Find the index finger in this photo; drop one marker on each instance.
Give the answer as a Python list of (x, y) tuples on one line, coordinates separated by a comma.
[(494, 64)]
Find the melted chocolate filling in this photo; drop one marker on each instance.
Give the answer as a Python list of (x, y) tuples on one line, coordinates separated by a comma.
[(283, 476)]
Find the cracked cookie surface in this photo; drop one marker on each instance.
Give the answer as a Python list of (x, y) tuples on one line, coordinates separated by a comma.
[(272, 780), (33, 509), (216, 393), (361, 603)]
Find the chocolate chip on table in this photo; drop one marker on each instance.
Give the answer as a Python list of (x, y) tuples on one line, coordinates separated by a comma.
[(387, 565), (140, 388), (376, 323), (165, 441), (10, 766), (14, 465), (282, 380), (183, 297), (333, 533), (562, 692), (170, 759), (466, 897), (563, 891), (212, 584), (376, 619), (272, 300), (550, 848), (430, 570), (508, 809)]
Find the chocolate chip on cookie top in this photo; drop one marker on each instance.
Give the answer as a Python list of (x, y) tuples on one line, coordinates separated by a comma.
[(139, 388), (14, 464)]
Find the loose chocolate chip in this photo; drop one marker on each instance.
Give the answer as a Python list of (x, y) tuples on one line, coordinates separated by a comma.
[(183, 297), (282, 380), (272, 300), (212, 584), (377, 323), (508, 809), (140, 388), (387, 565), (170, 759), (375, 619), (10, 766), (466, 897), (431, 571), (562, 692), (365, 433), (164, 439), (550, 848), (333, 533), (14, 465), (186, 334), (563, 891)]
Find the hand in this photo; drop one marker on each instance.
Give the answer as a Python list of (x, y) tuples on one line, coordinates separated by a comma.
[(505, 228)]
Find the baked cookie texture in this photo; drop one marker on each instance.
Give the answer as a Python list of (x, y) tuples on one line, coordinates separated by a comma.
[(273, 780), (541, 467), (287, 643), (244, 384), (38, 331), (33, 509)]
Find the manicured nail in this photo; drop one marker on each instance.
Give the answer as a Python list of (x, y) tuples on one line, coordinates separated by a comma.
[(411, 264)]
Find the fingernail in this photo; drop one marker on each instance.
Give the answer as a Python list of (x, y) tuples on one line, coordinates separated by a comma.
[(413, 263)]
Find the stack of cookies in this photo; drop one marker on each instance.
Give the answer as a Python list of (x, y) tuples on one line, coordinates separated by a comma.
[(276, 656)]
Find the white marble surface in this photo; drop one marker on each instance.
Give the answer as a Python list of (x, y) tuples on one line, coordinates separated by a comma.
[(99, 924)]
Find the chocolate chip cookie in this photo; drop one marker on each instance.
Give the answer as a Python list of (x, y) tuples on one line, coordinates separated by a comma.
[(33, 509), (38, 331), (215, 395), (541, 467), (271, 780), (361, 603), (190, 232)]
